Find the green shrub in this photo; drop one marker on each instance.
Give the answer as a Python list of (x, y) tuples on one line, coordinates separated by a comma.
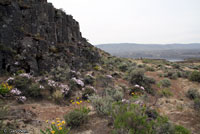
[(195, 76), (87, 92), (28, 87), (141, 65), (61, 73), (58, 96), (149, 69), (166, 93), (77, 117), (89, 80), (176, 66), (104, 81), (34, 91), (22, 83), (131, 119), (115, 94), (102, 105), (181, 130), (137, 76), (3, 110), (20, 72), (197, 104), (193, 94), (174, 76), (97, 68), (149, 80), (165, 83), (134, 119), (185, 74), (123, 67)]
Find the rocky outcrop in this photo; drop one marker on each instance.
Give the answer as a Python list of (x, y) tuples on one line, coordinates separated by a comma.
[(36, 37)]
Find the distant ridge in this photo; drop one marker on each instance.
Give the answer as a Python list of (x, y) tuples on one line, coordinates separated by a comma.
[(134, 50)]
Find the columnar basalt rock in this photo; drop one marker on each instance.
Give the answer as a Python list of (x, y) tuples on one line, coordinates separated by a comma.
[(36, 37)]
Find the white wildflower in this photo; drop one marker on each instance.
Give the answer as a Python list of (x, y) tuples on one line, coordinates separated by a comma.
[(78, 81), (10, 79), (15, 91), (142, 88), (109, 76), (137, 86), (25, 75), (41, 87)]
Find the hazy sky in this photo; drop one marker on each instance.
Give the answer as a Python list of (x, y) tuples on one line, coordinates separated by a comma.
[(135, 21)]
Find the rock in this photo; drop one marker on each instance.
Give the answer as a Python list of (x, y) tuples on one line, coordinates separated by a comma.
[(39, 37)]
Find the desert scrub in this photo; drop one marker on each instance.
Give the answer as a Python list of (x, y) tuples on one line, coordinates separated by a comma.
[(28, 87), (89, 80), (165, 93), (197, 104), (195, 76), (115, 94), (34, 91), (102, 105), (165, 83), (77, 117), (134, 119), (61, 73), (137, 76), (3, 110), (5, 88), (148, 68), (58, 96), (97, 68), (123, 67), (181, 130), (22, 83), (57, 127), (193, 94), (88, 91)]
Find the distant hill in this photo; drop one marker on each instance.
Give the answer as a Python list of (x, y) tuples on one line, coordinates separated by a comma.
[(157, 51)]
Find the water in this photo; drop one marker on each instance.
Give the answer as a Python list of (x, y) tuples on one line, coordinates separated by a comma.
[(175, 60)]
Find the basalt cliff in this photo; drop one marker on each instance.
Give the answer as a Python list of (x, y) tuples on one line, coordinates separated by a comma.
[(36, 37)]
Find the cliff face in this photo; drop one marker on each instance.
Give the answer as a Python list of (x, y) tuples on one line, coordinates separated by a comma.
[(36, 37)]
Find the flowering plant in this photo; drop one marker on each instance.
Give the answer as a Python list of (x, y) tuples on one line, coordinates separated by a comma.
[(5, 88), (57, 127)]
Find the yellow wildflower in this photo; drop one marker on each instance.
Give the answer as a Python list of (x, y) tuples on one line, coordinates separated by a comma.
[(88, 100), (58, 121), (63, 122), (77, 102), (59, 124), (73, 102), (47, 121), (81, 101), (53, 123), (77, 97), (60, 128), (52, 132)]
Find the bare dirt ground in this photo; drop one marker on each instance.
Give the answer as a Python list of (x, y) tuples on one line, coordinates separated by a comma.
[(33, 116), (178, 107)]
